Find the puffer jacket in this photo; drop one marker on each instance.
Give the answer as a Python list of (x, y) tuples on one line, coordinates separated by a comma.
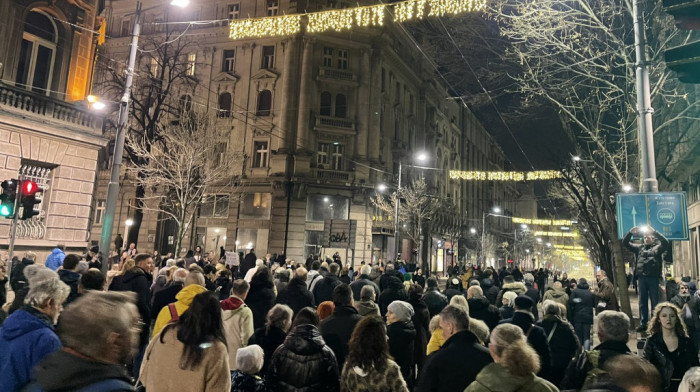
[(648, 257), (238, 326), (184, 299), (518, 288), (243, 382), (55, 259), (581, 305), (303, 363), (655, 351)]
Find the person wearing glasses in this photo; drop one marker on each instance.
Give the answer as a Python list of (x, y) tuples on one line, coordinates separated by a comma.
[(648, 266), (690, 312)]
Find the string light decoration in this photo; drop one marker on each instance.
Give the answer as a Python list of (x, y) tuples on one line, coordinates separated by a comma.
[(542, 222), (273, 26), (345, 19), (540, 175), (567, 247), (555, 234)]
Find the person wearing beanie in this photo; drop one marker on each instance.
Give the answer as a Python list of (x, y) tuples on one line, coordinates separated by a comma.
[(532, 292), (402, 335), (245, 379), (536, 336), (366, 305)]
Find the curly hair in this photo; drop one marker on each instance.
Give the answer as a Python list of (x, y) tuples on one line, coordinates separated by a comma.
[(368, 346), (655, 324)]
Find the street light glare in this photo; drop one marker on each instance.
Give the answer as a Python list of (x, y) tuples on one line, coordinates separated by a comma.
[(180, 3), (129, 222), (627, 188), (523, 226), (497, 210), (98, 105), (576, 158), (422, 157), (381, 187), (472, 230), (91, 98)]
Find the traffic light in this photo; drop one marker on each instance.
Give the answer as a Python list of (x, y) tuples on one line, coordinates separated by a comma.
[(7, 198), (28, 199), (684, 59)]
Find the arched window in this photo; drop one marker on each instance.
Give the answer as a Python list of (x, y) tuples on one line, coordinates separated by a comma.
[(224, 105), (340, 106), (325, 104), (264, 103), (37, 53)]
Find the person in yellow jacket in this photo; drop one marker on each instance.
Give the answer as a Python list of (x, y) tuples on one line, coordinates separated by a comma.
[(194, 284), (436, 338)]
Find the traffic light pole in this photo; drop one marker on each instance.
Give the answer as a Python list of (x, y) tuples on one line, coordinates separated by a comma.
[(13, 226)]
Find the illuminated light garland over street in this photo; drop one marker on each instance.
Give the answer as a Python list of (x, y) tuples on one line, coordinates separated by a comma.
[(555, 234), (567, 247), (540, 175), (543, 222), (348, 18)]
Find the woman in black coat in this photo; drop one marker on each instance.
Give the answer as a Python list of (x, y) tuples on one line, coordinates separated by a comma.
[(272, 335), (421, 322), (669, 348), (563, 343), (402, 336), (304, 361), (261, 296), (581, 312), (394, 291)]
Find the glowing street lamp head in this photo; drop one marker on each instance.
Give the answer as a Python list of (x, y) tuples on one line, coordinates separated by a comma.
[(98, 105), (91, 98), (129, 222), (381, 187), (472, 230), (496, 210), (422, 157), (576, 158), (180, 3), (627, 188)]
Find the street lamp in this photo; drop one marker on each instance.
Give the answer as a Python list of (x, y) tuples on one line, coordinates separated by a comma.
[(421, 157), (496, 211), (122, 126), (627, 188)]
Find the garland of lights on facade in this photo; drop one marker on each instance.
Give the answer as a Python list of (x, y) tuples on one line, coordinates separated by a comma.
[(539, 175), (348, 18), (555, 234), (543, 222)]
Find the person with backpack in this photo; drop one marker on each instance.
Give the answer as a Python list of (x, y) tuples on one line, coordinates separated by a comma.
[(563, 343), (194, 285), (613, 333)]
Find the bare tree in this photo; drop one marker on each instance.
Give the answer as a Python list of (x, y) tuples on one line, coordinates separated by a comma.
[(417, 211), (183, 166)]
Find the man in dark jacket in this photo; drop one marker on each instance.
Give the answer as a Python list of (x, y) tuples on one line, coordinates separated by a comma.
[(337, 328), (448, 370), (70, 276), (389, 271), (581, 312), (490, 290), (394, 291), (248, 262), (648, 267), (296, 295), (362, 281), (138, 280), (536, 337), (17, 279), (167, 295), (480, 308), (532, 292), (613, 332), (435, 300), (100, 365), (323, 290)]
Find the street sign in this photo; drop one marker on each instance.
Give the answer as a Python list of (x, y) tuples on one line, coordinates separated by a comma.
[(666, 212)]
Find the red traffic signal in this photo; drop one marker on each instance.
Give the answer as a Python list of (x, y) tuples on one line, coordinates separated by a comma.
[(29, 187), (28, 199)]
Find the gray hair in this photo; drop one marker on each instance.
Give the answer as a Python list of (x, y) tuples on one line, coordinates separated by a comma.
[(259, 263), (367, 292), (365, 270), (36, 274), (170, 263), (475, 292), (551, 307), (457, 316), (102, 313), (613, 326), (510, 297), (180, 275), (528, 278), (51, 289), (194, 277), (279, 316)]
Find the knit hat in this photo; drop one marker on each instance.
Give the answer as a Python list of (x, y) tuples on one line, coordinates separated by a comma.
[(249, 359), (524, 302), (403, 310), (82, 267)]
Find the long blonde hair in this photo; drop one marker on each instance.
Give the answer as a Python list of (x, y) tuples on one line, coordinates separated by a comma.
[(515, 354)]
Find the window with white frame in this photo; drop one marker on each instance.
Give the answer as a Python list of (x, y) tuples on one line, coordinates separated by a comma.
[(337, 151), (233, 11), (229, 61), (214, 206), (37, 53), (273, 8), (191, 62), (261, 153), (329, 156), (99, 212), (322, 155), (327, 57)]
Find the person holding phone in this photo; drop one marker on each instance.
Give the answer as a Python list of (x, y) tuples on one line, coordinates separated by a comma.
[(648, 266)]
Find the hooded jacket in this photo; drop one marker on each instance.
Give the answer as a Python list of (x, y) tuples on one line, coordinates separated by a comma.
[(367, 307), (480, 308), (495, 377), (26, 337), (303, 363), (581, 305), (394, 291), (184, 299), (556, 295), (518, 288), (71, 278), (295, 295), (238, 326), (55, 259), (62, 371)]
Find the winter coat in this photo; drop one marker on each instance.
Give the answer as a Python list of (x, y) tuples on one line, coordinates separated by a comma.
[(648, 257), (223, 287), (534, 294), (323, 290), (243, 382), (138, 281), (517, 287), (446, 370), (402, 336), (269, 340), (690, 311), (481, 309), (303, 363), (165, 352), (55, 259), (495, 377), (420, 279), (357, 286), (388, 379), (421, 322), (337, 328), (563, 344), (71, 278), (506, 312), (164, 297), (17, 280), (435, 300), (238, 326), (260, 299), (436, 341), (295, 295), (490, 290), (367, 307), (576, 371), (26, 337), (184, 299), (536, 338), (556, 295), (581, 305), (61, 371), (656, 352), (606, 294), (248, 263), (394, 291), (387, 277), (313, 277)]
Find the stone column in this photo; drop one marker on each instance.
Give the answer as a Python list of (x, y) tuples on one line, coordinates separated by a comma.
[(364, 113), (305, 97)]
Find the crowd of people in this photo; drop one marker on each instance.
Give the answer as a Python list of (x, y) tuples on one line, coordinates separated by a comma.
[(161, 324)]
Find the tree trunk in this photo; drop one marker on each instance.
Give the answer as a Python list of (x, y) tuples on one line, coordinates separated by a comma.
[(620, 272), (137, 216)]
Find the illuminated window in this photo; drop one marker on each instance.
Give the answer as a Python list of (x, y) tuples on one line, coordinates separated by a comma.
[(260, 154), (191, 62)]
